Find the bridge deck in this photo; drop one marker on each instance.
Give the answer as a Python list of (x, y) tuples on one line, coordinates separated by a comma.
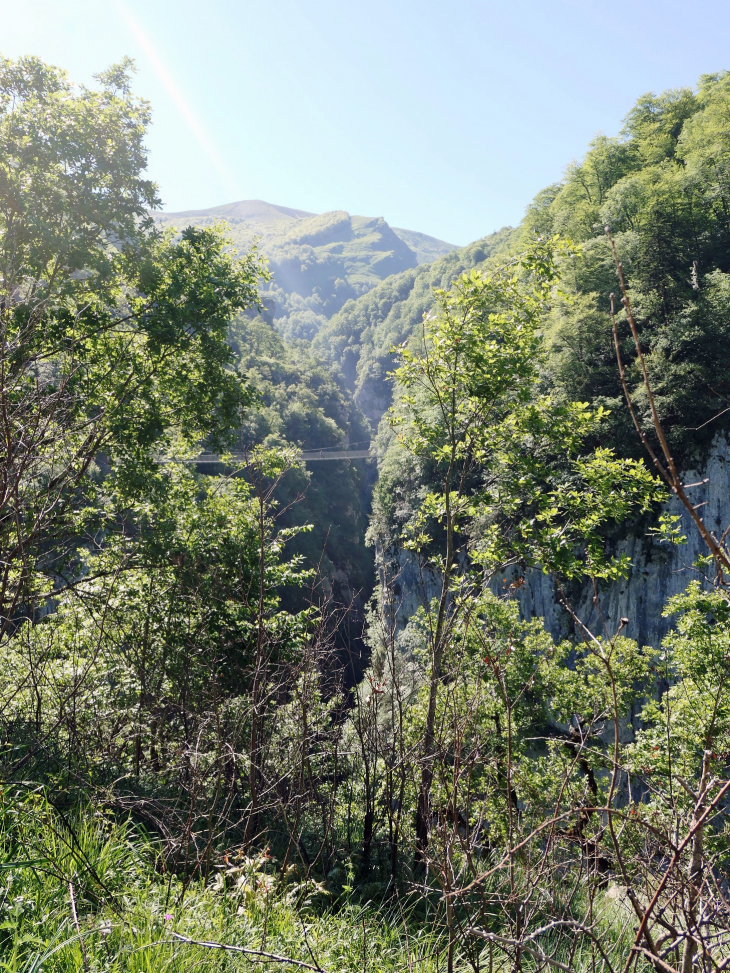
[(309, 456)]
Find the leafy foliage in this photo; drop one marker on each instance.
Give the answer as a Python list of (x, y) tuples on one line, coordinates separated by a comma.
[(513, 800), (302, 402), (360, 337), (661, 186), (113, 336), (133, 918)]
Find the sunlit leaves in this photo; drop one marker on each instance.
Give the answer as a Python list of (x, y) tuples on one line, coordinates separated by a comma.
[(470, 406), (113, 336)]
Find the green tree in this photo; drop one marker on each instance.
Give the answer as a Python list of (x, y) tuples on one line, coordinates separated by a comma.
[(302, 402), (112, 336), (503, 460)]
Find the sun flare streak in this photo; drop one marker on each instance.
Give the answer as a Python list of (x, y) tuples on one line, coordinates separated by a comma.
[(181, 103)]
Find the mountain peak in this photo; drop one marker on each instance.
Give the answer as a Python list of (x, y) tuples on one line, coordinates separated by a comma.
[(319, 260), (252, 210)]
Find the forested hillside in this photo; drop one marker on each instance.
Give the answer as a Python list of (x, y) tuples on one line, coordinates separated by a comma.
[(664, 203), (661, 185), (360, 338), (317, 261), (199, 769)]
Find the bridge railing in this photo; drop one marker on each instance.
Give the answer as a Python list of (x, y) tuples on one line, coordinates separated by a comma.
[(308, 456)]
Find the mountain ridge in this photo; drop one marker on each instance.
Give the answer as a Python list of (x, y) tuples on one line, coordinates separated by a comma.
[(319, 261), (252, 209)]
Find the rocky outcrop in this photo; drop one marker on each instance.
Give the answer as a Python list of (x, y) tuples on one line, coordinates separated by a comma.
[(658, 572)]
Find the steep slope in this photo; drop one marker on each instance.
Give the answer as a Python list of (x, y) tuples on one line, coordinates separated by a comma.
[(426, 248), (319, 261), (358, 338), (662, 187)]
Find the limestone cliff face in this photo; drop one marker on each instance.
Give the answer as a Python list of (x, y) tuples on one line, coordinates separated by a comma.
[(659, 570)]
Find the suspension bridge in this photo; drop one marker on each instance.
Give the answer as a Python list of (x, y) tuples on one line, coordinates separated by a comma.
[(326, 454)]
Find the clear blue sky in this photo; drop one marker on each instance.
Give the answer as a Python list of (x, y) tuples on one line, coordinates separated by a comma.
[(444, 117)]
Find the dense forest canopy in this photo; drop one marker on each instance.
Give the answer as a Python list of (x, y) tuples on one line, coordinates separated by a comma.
[(194, 773), (301, 401)]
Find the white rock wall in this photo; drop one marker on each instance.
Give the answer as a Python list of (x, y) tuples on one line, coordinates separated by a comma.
[(659, 570)]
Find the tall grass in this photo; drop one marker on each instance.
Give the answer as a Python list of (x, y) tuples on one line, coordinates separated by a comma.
[(132, 916), (86, 892)]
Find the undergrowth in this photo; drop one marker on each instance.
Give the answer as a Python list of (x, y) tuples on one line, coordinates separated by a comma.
[(87, 892)]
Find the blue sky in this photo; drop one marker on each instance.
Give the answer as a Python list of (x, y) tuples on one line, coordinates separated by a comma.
[(444, 117)]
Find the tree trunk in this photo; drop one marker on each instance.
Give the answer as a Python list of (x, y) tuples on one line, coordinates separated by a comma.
[(695, 875)]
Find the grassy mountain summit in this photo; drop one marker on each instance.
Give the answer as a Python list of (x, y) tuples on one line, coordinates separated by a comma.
[(254, 211), (319, 261)]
